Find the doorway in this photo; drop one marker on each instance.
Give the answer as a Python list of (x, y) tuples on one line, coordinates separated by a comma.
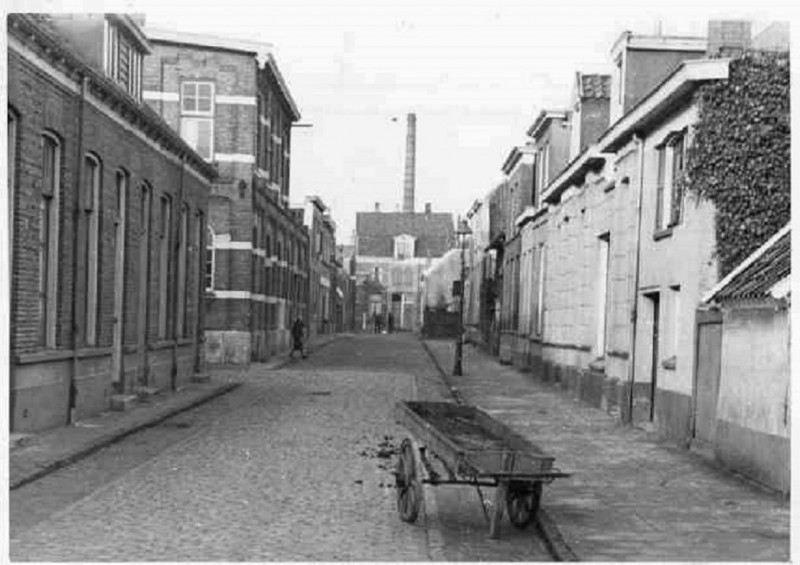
[(707, 375), (654, 300)]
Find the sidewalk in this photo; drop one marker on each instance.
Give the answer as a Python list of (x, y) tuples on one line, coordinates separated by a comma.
[(36, 455), (631, 497)]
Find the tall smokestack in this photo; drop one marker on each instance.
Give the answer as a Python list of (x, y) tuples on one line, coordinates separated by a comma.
[(408, 180)]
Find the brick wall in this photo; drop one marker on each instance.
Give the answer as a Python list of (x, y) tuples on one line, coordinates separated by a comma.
[(44, 102)]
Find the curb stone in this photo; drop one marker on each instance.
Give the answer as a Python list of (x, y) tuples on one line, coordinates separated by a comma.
[(114, 436), (544, 523)]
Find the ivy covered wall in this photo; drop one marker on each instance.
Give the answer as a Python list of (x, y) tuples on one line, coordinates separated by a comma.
[(740, 156)]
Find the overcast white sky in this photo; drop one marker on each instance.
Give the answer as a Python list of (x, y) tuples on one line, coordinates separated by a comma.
[(475, 73)]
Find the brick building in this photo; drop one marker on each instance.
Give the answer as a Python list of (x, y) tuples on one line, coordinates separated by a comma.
[(108, 214), (228, 99), (322, 282), (394, 248)]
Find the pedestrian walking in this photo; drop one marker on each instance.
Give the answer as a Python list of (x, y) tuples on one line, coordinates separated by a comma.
[(390, 322), (298, 334)]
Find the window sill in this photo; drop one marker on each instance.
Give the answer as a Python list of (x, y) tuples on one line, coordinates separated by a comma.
[(662, 233), (598, 365), (59, 355)]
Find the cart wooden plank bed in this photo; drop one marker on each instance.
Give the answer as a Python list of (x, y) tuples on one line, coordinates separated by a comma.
[(462, 445)]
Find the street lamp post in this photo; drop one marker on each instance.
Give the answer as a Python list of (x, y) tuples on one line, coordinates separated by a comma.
[(462, 232)]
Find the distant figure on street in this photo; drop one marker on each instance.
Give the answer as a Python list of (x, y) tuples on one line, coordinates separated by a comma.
[(298, 335), (390, 322)]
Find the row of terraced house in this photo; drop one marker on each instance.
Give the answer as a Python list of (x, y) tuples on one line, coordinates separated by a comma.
[(637, 252), (150, 222)]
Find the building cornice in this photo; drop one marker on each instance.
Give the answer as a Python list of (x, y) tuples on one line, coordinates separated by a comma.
[(514, 157), (126, 22), (542, 120), (163, 35)]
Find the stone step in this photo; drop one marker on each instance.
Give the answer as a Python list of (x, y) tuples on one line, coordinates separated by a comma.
[(146, 392), (201, 378), (123, 402)]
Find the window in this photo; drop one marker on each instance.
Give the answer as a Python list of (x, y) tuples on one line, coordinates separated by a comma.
[(122, 59), (677, 147), (543, 168), (210, 259), (164, 238), (92, 212), (670, 181), (183, 273), (197, 117), (48, 239), (603, 257), (403, 247)]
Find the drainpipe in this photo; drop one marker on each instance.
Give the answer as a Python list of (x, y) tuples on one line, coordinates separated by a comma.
[(635, 310), (175, 270), (76, 214)]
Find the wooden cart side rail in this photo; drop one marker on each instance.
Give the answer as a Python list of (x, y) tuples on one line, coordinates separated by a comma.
[(436, 441), (510, 437), (489, 462)]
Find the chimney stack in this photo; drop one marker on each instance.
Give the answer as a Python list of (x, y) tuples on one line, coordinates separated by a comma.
[(728, 38), (408, 181)]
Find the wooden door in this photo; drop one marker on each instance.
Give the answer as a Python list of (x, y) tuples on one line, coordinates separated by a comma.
[(707, 374)]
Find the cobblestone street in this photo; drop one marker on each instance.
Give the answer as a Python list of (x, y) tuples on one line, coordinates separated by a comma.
[(292, 465)]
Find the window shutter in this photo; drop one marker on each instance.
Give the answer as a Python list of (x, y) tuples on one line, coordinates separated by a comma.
[(660, 189)]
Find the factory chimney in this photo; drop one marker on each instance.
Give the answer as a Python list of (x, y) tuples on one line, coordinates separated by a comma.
[(408, 180)]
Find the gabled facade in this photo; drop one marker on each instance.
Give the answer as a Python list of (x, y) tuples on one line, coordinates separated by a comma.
[(394, 248), (228, 99), (109, 209), (641, 62)]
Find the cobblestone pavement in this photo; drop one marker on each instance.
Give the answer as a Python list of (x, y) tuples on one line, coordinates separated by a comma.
[(631, 497), (289, 466)]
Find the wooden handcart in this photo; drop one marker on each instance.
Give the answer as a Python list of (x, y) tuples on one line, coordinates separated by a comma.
[(462, 445)]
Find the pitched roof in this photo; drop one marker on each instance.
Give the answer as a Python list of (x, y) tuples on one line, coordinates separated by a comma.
[(594, 86), (758, 275), (375, 232)]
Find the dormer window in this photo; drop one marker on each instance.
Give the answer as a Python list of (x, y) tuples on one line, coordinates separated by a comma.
[(123, 58), (403, 247)]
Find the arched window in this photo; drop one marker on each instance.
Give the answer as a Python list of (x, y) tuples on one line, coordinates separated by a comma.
[(164, 263), (48, 238), (183, 273), (91, 215), (210, 258)]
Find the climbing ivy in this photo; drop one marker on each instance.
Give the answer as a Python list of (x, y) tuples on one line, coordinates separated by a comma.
[(740, 155)]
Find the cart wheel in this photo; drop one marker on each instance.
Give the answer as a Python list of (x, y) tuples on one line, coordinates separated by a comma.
[(409, 492), (522, 502)]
